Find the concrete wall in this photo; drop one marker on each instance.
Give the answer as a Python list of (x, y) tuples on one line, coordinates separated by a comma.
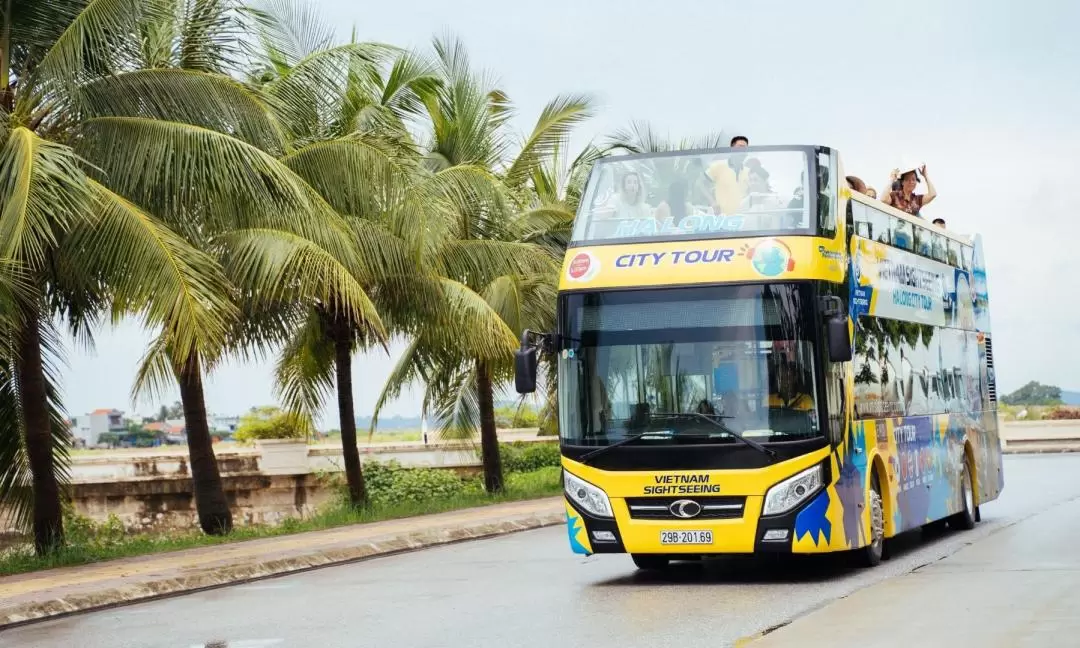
[(159, 503), (173, 461), (150, 489)]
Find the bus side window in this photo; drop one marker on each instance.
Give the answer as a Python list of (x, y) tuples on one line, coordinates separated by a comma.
[(879, 226), (902, 235), (862, 220), (965, 257), (938, 247), (923, 245), (826, 191), (954, 253)]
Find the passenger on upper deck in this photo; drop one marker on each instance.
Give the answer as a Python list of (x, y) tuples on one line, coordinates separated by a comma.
[(630, 200), (903, 196), (677, 206), (940, 222), (856, 184), (870, 191)]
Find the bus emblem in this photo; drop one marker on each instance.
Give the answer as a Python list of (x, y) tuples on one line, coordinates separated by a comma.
[(582, 267), (770, 257), (685, 508)]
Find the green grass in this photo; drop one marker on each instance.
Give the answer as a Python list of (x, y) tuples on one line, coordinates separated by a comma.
[(106, 542)]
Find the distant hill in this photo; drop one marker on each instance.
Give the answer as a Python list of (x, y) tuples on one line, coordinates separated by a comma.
[(1070, 397), (390, 422)]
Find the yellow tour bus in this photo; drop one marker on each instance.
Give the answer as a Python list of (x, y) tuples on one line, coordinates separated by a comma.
[(754, 358)]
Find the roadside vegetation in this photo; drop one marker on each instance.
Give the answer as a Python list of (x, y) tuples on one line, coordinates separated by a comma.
[(532, 471)]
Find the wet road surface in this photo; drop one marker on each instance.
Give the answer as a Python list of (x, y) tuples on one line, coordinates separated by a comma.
[(528, 590)]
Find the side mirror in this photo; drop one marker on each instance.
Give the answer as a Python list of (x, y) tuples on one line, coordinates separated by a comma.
[(839, 342), (525, 370)]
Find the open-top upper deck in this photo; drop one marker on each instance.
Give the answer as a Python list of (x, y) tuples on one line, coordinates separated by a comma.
[(733, 215)]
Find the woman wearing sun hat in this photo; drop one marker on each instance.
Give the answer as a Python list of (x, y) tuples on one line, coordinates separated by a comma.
[(902, 193)]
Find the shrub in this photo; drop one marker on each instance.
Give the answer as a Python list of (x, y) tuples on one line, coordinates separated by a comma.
[(526, 457), (1062, 413), (270, 423), (391, 483), (82, 531)]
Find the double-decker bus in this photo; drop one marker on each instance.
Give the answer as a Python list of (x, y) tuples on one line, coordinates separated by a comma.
[(751, 357)]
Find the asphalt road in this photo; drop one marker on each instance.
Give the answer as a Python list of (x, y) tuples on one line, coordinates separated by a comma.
[(528, 590)]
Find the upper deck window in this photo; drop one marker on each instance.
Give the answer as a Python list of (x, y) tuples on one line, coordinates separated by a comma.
[(697, 195)]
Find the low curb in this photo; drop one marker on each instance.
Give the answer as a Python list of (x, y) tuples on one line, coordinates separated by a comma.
[(1023, 448), (242, 572)]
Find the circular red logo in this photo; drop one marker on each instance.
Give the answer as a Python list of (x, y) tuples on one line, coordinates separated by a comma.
[(579, 266)]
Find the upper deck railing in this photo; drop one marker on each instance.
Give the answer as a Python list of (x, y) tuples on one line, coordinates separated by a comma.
[(883, 223)]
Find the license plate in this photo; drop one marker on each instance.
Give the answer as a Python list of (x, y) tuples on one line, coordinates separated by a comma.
[(686, 537)]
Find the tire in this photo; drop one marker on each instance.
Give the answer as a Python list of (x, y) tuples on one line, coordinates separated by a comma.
[(651, 562), (872, 554), (965, 519)]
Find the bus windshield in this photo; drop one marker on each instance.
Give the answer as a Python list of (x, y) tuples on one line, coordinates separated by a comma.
[(755, 193), (653, 361)]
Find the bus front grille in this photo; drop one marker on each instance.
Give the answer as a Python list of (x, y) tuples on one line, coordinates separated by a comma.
[(666, 508)]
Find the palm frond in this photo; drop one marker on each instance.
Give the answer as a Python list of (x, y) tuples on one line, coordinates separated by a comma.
[(468, 327), (477, 263), (156, 376), (360, 175), (280, 266), (102, 39), (411, 75), (171, 169), (290, 30), (212, 101), (154, 272), (523, 302), (456, 404), (210, 33), (310, 95), (304, 374), (549, 226), (467, 110), (558, 118), (407, 370), (43, 192), (641, 137)]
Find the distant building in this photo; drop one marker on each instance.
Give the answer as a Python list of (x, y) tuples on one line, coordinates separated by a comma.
[(88, 428), (223, 426), (173, 429)]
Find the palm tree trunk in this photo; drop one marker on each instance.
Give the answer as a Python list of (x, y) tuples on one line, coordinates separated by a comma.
[(489, 440), (34, 402), (354, 473), (215, 518)]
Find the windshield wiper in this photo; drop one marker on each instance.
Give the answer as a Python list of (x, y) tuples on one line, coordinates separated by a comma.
[(623, 441), (715, 420)]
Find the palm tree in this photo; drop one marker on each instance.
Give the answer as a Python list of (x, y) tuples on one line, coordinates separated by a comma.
[(347, 118), (488, 269), (133, 166)]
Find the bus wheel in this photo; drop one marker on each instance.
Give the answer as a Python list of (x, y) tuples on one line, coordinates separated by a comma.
[(871, 554), (965, 519), (651, 562)]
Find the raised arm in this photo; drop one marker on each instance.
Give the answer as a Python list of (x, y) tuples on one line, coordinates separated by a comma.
[(886, 195), (931, 193)]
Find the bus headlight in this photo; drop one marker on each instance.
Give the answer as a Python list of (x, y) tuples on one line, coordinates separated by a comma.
[(794, 490), (587, 496)]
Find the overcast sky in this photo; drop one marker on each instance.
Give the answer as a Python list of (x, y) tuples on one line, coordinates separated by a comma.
[(986, 93)]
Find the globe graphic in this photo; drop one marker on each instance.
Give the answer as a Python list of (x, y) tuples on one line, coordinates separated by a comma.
[(770, 260)]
